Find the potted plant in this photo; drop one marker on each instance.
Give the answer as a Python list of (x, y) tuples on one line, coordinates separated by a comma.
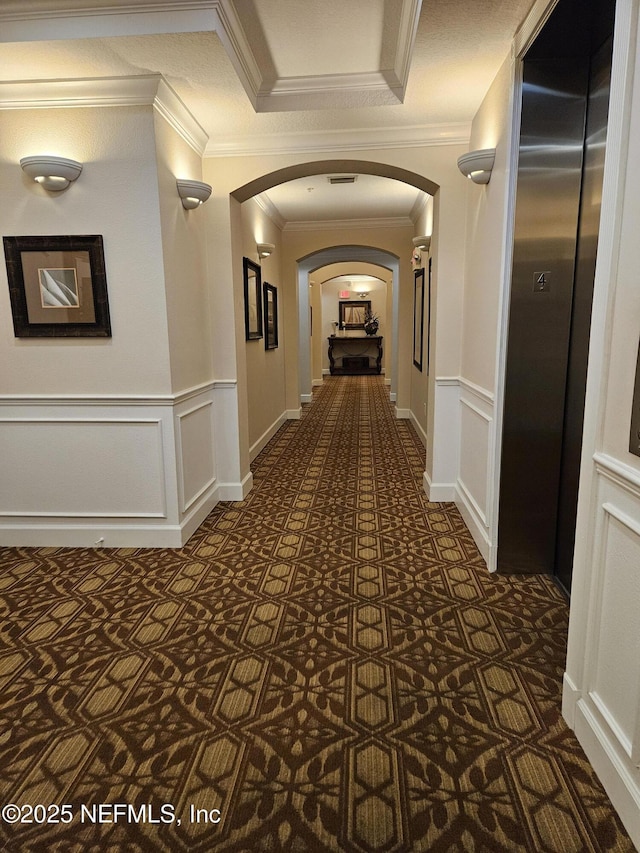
[(371, 323)]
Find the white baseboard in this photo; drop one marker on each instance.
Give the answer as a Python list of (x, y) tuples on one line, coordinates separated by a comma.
[(570, 697), (393, 396), (306, 398), (403, 414), (422, 435), (316, 382), (619, 779), (235, 491), (266, 436), (93, 534), (293, 414), (474, 519), (438, 492)]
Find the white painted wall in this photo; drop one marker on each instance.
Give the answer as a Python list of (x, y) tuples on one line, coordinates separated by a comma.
[(487, 276), (116, 196), (109, 441), (602, 681), (601, 699), (187, 296)]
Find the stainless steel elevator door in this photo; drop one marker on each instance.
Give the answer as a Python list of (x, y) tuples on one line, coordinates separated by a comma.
[(587, 245), (547, 205), (562, 144)]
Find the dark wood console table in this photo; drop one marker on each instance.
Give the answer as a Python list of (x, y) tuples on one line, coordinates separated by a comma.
[(357, 356)]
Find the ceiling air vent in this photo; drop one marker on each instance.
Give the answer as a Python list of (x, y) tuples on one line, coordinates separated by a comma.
[(342, 179)]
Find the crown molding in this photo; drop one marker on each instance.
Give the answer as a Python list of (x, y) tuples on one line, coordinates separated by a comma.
[(144, 90), (365, 139), (528, 30), (384, 86), (332, 224), (269, 209), (329, 91)]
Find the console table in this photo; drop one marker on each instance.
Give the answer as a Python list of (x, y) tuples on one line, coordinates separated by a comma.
[(357, 355)]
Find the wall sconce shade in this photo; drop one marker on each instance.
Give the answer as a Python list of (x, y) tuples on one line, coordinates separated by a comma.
[(193, 193), (265, 249), (363, 294), (478, 165), (422, 243), (52, 173)]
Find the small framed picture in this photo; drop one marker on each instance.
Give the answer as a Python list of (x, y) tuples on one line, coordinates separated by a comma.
[(58, 286), (418, 317), (270, 316), (252, 300)]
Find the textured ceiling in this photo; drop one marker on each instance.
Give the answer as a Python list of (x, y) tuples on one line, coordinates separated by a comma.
[(298, 51)]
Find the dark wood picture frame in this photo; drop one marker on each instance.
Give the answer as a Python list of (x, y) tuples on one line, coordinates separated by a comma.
[(270, 316), (347, 307), (428, 295), (418, 317), (58, 286), (252, 300)]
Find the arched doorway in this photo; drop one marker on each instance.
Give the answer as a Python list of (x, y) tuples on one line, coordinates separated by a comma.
[(321, 258), (314, 260)]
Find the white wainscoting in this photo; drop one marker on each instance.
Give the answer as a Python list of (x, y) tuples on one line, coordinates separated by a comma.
[(440, 484), (195, 458), (474, 482), (136, 471), (463, 451), (605, 709)]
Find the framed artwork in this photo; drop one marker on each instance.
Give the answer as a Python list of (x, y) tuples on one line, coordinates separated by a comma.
[(58, 286), (270, 316), (252, 300), (428, 294), (352, 314), (418, 317)]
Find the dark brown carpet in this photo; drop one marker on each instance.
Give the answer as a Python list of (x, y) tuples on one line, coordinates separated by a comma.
[(328, 664)]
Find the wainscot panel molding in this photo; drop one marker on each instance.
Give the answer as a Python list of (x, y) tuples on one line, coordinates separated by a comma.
[(603, 708), (195, 446), (474, 491), (107, 471), (234, 483), (103, 467), (440, 484)]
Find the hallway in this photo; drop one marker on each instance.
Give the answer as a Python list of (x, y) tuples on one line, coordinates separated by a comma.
[(329, 664)]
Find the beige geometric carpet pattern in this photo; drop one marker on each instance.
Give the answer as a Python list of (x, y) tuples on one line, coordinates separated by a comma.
[(326, 666)]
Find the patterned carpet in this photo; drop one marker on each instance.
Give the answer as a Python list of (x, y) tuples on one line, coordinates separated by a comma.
[(326, 666)]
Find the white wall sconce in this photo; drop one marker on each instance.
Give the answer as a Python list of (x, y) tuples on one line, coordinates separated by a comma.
[(478, 165), (422, 243), (52, 173), (193, 193), (363, 294), (265, 249)]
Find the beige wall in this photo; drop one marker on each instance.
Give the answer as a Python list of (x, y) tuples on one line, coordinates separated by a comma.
[(184, 257), (438, 164), (299, 244), (115, 196), (265, 368), (377, 286)]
